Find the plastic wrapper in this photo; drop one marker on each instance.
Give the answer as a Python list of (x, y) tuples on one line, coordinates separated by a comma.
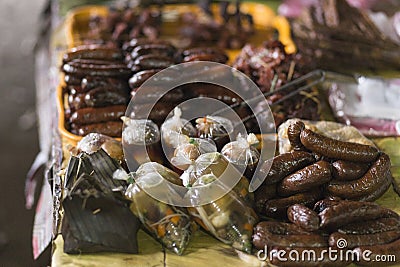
[(170, 225), (243, 154), (175, 131), (370, 104), (215, 128), (187, 153), (141, 139), (214, 163), (229, 218), (95, 141), (328, 128)]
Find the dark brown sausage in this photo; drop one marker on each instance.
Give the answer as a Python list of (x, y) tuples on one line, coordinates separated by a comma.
[(148, 62), (109, 70), (202, 50), (284, 164), (72, 79), (293, 133), (96, 115), (264, 230), (85, 52), (263, 194), (364, 240), (371, 252), (336, 149), (325, 203), (77, 101), (304, 217), (346, 212), (371, 226), (347, 170), (92, 82), (101, 97), (302, 180), (277, 208), (220, 58), (133, 43), (380, 189), (365, 185), (166, 50), (110, 128), (139, 78)]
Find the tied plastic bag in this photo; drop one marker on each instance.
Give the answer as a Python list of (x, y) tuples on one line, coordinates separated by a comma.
[(229, 218), (215, 128), (175, 131), (170, 225), (141, 139), (94, 142), (243, 154), (214, 163), (186, 154)]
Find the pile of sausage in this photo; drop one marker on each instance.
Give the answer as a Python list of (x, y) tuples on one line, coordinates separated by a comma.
[(321, 167), (97, 89), (120, 26), (147, 57), (342, 226)]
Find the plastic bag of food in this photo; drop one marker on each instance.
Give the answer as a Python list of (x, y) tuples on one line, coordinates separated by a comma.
[(171, 226), (243, 154), (141, 139), (229, 218), (175, 131), (215, 128), (214, 163), (95, 141), (328, 128), (187, 153)]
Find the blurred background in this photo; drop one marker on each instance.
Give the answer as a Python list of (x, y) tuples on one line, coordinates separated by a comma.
[(19, 27)]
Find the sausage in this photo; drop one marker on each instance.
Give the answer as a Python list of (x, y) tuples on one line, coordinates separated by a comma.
[(93, 52), (284, 164), (371, 226), (277, 208), (263, 194), (355, 240), (77, 101), (109, 70), (337, 149), (325, 203), (96, 115), (309, 177), (347, 211), (102, 96), (365, 185), (347, 170), (268, 231), (202, 50), (110, 128), (166, 50), (91, 82), (380, 189), (220, 58), (72, 79), (147, 62), (293, 133), (159, 111), (94, 62), (304, 217), (313, 256), (133, 43), (369, 259), (139, 78)]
